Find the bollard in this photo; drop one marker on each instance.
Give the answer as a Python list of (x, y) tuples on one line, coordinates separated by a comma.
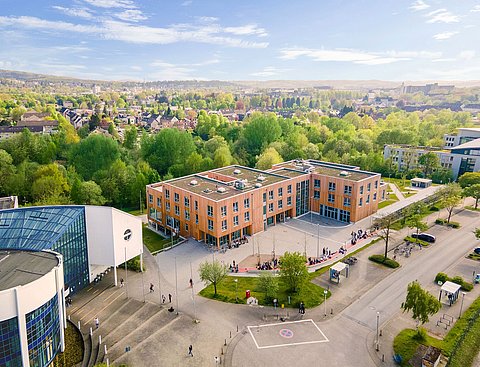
[(331, 311), (230, 334), (380, 332), (78, 323), (383, 357), (222, 351), (99, 339), (91, 331), (105, 349), (68, 317), (225, 342), (108, 363), (237, 328), (377, 347)]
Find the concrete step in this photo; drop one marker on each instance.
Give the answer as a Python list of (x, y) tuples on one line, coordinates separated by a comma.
[(132, 324), (122, 313), (102, 310), (148, 335)]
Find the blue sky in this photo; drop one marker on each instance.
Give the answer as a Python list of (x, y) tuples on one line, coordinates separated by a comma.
[(243, 40)]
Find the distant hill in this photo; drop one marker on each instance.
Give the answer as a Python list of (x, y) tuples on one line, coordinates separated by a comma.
[(219, 84)]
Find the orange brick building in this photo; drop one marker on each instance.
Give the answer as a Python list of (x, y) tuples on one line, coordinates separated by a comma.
[(224, 204)]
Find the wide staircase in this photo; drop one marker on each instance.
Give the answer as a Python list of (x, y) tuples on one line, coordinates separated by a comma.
[(125, 324)]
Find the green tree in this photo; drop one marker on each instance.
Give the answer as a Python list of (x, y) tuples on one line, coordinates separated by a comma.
[(474, 192), (450, 196), (415, 221), (96, 152), (420, 302), (222, 157), (477, 233), (7, 170), (293, 270), (16, 113), (87, 193), (130, 140), (268, 284), (268, 158), (429, 162), (212, 273), (50, 182), (469, 179), (261, 130), (384, 224)]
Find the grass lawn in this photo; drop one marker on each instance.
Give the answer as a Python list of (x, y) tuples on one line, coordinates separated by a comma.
[(405, 344), (385, 203), (472, 208), (154, 241), (73, 348), (311, 294), (135, 211), (409, 193)]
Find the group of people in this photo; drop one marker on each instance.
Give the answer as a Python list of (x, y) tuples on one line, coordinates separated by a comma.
[(233, 267), (268, 265), (237, 243), (358, 235)]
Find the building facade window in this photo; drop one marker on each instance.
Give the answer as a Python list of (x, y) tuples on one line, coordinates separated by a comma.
[(264, 197), (223, 210), (360, 202), (187, 215), (224, 225), (289, 201), (376, 184), (374, 196), (270, 207), (210, 225), (361, 190), (196, 205), (331, 198), (10, 350), (167, 206), (289, 189), (196, 218), (186, 201), (347, 190), (331, 186), (280, 204), (316, 183), (235, 206), (186, 227), (159, 203), (235, 220), (316, 194), (177, 210), (150, 198), (369, 186), (246, 203), (270, 195), (176, 197), (246, 216), (280, 191), (368, 199), (346, 201), (210, 210), (167, 194)]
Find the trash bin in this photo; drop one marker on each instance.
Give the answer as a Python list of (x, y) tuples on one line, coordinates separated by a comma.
[(247, 294)]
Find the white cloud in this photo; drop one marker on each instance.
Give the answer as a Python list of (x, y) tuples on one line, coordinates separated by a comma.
[(125, 4), (75, 12), (247, 30), (467, 55), (341, 55), (269, 71), (444, 35), (211, 33), (168, 71), (136, 67), (475, 9), (187, 3), (419, 5), (131, 15), (442, 16)]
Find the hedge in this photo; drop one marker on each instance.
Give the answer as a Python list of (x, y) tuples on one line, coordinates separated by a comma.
[(417, 240), (380, 259), (465, 286), (443, 222)]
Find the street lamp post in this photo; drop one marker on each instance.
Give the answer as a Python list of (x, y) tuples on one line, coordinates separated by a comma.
[(461, 305), (325, 301), (236, 287), (377, 337)]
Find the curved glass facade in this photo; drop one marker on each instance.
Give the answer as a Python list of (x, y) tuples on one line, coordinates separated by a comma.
[(58, 228), (43, 333), (10, 351)]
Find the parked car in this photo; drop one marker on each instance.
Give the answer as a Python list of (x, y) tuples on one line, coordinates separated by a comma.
[(427, 237), (477, 250)]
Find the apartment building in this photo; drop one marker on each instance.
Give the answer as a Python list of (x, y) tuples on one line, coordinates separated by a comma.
[(461, 153), (224, 204)]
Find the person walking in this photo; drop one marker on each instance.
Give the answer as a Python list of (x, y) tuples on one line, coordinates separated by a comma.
[(191, 283), (190, 349), (151, 288), (97, 322), (121, 282), (170, 298), (163, 298)]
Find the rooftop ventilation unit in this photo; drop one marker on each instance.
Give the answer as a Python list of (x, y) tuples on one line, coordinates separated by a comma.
[(194, 182), (221, 189), (236, 171), (239, 184), (207, 191), (261, 178), (258, 184), (344, 173)]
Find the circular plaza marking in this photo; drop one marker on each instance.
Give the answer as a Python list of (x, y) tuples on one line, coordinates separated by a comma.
[(286, 333)]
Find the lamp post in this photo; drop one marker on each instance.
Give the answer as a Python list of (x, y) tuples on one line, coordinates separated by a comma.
[(461, 305), (325, 301), (236, 287), (376, 340)]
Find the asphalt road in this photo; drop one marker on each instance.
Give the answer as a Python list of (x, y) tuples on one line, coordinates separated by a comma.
[(387, 296)]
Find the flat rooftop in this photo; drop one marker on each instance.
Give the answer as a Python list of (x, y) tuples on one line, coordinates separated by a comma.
[(220, 183), (327, 169), (23, 267)]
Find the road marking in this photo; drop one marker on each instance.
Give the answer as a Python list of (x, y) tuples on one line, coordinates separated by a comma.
[(258, 327)]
